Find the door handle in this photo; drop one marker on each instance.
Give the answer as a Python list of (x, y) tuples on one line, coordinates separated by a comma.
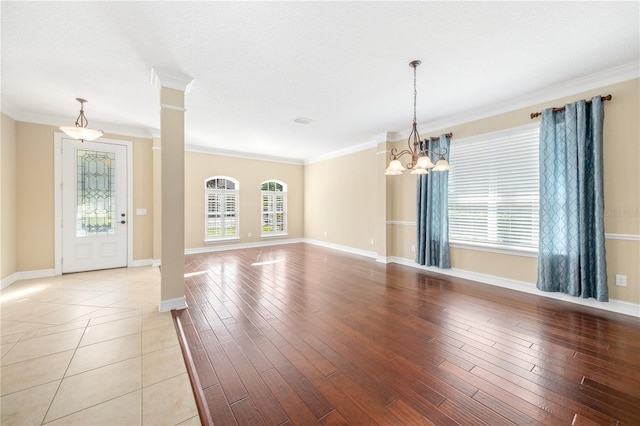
[(123, 222)]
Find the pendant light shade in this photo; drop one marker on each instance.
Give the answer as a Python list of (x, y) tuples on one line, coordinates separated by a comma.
[(80, 131)]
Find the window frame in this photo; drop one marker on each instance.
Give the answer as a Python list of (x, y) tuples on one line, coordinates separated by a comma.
[(235, 193), (492, 149), (285, 215)]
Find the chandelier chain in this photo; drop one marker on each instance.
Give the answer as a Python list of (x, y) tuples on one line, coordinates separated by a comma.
[(415, 94)]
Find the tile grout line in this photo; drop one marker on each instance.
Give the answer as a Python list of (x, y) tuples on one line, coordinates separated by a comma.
[(55, 394)]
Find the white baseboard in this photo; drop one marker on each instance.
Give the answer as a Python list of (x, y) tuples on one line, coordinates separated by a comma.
[(612, 305), (171, 304), (155, 263), (216, 247), (7, 281), (27, 275), (365, 253), (141, 262)]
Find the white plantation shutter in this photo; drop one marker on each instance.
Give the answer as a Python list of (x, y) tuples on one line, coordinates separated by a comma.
[(493, 189), (274, 208), (222, 202)]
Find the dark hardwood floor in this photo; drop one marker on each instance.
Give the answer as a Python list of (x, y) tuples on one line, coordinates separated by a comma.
[(300, 335)]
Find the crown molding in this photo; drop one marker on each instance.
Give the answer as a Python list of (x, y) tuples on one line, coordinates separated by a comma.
[(56, 121), (238, 154), (598, 80), (342, 152), (180, 81), (162, 77)]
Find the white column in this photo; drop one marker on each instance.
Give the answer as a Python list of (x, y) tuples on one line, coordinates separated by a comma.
[(172, 86)]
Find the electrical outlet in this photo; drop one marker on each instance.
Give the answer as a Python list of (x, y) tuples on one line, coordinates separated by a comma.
[(413, 249), (621, 280)]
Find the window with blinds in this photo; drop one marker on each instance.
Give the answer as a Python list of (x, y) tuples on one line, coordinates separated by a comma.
[(493, 189), (274, 208), (221, 204)]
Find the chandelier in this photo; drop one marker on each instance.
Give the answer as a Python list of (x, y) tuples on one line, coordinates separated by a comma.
[(80, 130), (420, 163)]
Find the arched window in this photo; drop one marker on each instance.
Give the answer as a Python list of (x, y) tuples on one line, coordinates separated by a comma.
[(274, 208), (221, 208)]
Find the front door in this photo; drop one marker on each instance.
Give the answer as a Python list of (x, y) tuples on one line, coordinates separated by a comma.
[(94, 206)]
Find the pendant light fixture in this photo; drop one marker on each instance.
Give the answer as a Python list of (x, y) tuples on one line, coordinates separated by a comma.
[(80, 130), (420, 162)]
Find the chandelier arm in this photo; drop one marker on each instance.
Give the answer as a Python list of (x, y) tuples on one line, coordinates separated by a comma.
[(440, 154), (395, 154)]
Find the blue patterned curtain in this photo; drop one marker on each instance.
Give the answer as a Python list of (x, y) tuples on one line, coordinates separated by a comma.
[(571, 254), (433, 213)]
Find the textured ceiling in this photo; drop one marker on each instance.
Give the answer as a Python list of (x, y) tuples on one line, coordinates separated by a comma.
[(257, 66)]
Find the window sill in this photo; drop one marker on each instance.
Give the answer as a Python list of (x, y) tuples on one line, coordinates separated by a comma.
[(494, 248), (221, 240), (274, 235)]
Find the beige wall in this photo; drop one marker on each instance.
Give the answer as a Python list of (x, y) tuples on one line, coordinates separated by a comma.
[(142, 195), (35, 207), (35, 197), (341, 200), (8, 200), (344, 197), (250, 173), (622, 193)]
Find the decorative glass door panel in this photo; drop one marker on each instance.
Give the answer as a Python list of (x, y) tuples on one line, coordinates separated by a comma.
[(96, 193), (95, 225)]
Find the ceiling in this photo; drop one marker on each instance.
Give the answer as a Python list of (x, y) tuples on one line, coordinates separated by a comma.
[(257, 66)]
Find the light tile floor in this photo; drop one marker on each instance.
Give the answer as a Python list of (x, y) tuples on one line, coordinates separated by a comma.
[(91, 348)]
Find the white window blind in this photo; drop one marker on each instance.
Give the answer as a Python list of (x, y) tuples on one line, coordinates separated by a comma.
[(493, 189), (222, 201), (274, 208)]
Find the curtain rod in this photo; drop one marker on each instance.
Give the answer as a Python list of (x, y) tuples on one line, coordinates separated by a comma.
[(435, 138), (537, 114)]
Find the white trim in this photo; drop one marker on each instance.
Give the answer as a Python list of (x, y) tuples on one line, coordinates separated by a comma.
[(57, 179), (571, 87), (57, 202), (237, 154), (274, 235), (342, 152), (197, 250), (514, 251), (400, 222), (171, 304), (590, 82), (156, 262), (172, 108), (499, 134), (7, 281), (141, 262), (628, 237), (162, 77), (617, 306), (27, 275), (55, 120), (220, 240), (347, 249)]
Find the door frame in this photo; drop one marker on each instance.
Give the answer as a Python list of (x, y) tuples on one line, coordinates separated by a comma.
[(57, 181)]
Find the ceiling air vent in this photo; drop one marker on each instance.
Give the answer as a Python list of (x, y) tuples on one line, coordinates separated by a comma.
[(302, 120)]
